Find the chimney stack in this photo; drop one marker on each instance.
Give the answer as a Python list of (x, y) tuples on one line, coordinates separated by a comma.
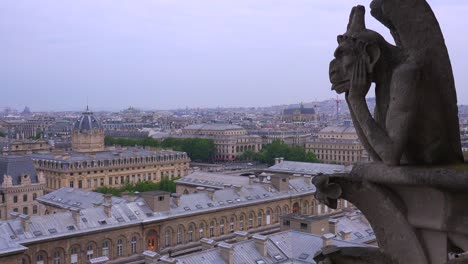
[(227, 252), (14, 215), (308, 179), (176, 198), (241, 235), (211, 193), (277, 161), (251, 179), (207, 243), (25, 223), (327, 239), (281, 159), (108, 210), (332, 226), (108, 198), (150, 257), (346, 234), (76, 215), (261, 244)]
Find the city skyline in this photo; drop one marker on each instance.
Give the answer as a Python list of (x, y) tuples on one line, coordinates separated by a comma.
[(169, 55)]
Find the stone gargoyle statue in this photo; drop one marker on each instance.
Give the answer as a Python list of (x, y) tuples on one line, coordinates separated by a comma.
[(414, 194), (416, 115)]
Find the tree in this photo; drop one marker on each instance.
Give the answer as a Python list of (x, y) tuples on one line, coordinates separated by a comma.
[(279, 149)]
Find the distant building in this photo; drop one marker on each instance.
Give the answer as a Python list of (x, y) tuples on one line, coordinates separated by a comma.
[(20, 186), (24, 146), (301, 114), (338, 144), (88, 134), (89, 166), (231, 141)]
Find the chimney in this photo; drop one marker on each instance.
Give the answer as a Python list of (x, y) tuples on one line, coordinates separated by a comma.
[(281, 160), (327, 239), (150, 257), (277, 161), (176, 198), (241, 235), (237, 187), (211, 193), (308, 179), (261, 244), (76, 215), (108, 198), (251, 179), (346, 234), (207, 243), (280, 182), (108, 210), (332, 225), (25, 223), (168, 260), (14, 215), (227, 252)]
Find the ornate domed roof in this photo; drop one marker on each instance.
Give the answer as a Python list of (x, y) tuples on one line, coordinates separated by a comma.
[(87, 122)]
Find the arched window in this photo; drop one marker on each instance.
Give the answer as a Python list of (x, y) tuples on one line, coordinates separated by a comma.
[(105, 248), (241, 223), (231, 225), (312, 208), (190, 233), (277, 214), (25, 210), (305, 206), (119, 248), (40, 258), (212, 233), (179, 234), (134, 245), (57, 257), (201, 230), (74, 256), (221, 227), (25, 259), (268, 217), (167, 237), (251, 216), (89, 252), (34, 209), (259, 219), (25, 197)]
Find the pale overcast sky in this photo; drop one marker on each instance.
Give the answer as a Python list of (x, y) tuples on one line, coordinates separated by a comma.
[(164, 54)]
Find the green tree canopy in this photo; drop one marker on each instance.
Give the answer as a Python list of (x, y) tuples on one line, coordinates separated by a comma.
[(279, 149)]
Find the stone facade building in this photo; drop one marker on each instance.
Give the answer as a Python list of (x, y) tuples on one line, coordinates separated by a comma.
[(89, 166), (24, 146), (230, 141), (301, 114), (337, 144), (157, 221), (20, 186)]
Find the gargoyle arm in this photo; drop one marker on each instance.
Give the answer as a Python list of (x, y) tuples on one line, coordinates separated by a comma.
[(389, 143)]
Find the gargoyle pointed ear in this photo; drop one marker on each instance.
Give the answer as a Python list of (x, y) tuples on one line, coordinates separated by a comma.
[(356, 20)]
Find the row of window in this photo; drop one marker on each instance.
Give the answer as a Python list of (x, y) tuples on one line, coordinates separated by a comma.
[(92, 250), (25, 197)]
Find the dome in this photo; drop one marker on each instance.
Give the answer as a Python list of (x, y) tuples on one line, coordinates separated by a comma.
[(87, 122)]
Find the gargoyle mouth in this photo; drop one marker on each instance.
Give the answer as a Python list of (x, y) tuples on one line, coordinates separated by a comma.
[(341, 87)]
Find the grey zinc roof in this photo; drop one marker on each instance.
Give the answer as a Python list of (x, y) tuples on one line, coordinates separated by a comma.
[(86, 122), (356, 222), (284, 247), (75, 198), (103, 155), (339, 129), (306, 168), (215, 180), (16, 167), (213, 127)]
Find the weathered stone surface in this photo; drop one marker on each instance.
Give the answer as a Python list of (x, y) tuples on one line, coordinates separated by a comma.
[(416, 114), (416, 215)]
